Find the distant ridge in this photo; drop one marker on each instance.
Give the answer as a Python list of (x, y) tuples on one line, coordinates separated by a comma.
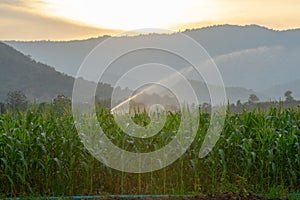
[(139, 34), (252, 57)]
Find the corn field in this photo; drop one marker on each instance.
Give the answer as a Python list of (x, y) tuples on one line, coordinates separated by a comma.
[(41, 154)]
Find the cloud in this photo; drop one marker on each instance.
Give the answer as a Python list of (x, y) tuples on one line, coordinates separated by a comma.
[(27, 3), (24, 4), (19, 23), (12, 2)]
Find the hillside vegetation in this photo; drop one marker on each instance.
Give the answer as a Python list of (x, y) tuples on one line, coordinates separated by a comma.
[(38, 81)]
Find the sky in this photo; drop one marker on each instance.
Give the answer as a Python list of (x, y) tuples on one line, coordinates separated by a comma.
[(79, 19)]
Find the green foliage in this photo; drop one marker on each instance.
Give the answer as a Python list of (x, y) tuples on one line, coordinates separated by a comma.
[(253, 98), (288, 96), (2, 108), (61, 104), (16, 101), (37, 80), (41, 154)]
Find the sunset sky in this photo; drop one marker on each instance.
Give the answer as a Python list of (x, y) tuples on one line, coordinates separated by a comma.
[(78, 19)]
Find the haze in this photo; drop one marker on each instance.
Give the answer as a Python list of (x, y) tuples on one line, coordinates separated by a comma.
[(78, 19)]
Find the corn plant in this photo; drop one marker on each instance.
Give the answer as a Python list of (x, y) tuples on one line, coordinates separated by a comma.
[(42, 154)]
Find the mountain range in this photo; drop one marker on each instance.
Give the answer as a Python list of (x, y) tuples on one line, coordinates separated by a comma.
[(251, 59)]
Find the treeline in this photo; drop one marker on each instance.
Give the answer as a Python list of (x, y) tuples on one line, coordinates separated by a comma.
[(17, 101), (254, 103)]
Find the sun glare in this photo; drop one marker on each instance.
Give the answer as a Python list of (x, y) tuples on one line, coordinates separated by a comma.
[(132, 14)]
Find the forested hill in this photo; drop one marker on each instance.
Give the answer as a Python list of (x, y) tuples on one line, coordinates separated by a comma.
[(38, 81)]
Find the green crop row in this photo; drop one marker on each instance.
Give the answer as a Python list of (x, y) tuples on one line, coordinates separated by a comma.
[(42, 154)]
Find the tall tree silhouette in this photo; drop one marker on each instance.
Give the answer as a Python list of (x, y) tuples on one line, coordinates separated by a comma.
[(2, 108), (16, 100), (253, 98), (288, 96)]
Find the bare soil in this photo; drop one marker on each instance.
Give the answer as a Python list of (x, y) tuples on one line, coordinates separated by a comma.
[(225, 196)]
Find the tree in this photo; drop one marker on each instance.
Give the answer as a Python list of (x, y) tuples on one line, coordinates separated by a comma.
[(288, 96), (239, 103), (206, 107), (103, 103), (2, 108), (61, 103), (16, 100), (253, 98)]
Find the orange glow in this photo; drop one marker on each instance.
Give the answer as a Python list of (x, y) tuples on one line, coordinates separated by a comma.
[(77, 19)]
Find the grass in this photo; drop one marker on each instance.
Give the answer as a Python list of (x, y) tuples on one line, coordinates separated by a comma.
[(41, 154)]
